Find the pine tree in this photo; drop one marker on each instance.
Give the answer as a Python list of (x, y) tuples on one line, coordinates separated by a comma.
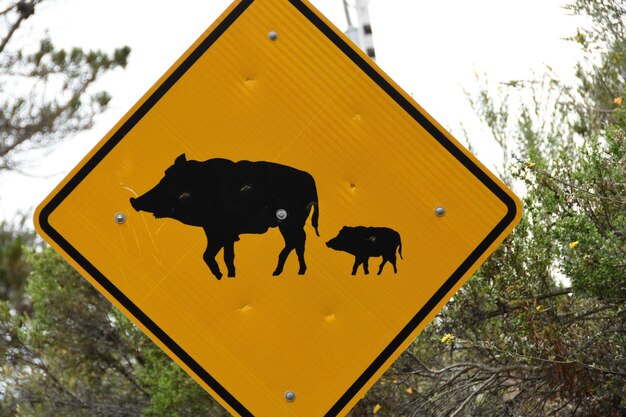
[(45, 95)]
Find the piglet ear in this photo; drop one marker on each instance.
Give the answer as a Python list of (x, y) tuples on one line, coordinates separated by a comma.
[(180, 160)]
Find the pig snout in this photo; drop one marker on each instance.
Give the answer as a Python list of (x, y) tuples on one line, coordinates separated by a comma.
[(140, 204), (133, 203), (335, 243)]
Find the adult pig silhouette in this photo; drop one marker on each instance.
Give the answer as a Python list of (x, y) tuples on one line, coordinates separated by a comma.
[(364, 242), (229, 198)]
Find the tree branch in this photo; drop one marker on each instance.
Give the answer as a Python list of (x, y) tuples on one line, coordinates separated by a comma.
[(472, 395), (10, 33), (508, 308)]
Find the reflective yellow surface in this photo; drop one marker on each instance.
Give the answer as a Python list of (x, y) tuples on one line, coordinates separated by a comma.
[(298, 101)]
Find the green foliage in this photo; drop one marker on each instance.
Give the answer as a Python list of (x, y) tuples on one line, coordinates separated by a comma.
[(13, 267), (173, 392), (592, 228), (68, 358), (53, 97), (602, 72)]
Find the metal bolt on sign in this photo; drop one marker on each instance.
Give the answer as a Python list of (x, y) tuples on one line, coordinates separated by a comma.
[(281, 214)]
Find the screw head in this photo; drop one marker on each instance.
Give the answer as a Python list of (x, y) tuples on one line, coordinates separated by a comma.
[(290, 396), (120, 218), (272, 36), (440, 211), (281, 214)]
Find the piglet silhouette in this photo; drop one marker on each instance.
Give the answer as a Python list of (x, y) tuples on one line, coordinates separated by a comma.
[(364, 242)]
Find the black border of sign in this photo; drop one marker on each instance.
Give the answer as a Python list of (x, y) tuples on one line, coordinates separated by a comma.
[(365, 66)]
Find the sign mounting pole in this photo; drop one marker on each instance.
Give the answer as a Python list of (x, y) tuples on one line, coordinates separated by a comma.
[(361, 35)]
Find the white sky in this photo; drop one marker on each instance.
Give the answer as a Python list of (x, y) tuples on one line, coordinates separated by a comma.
[(432, 49)]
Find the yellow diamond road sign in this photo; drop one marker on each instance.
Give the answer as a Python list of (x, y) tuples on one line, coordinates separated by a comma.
[(198, 215)]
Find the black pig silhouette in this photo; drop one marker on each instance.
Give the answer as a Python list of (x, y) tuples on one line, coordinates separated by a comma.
[(229, 198), (363, 242)]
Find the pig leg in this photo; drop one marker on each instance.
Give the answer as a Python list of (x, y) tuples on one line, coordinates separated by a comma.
[(380, 268), (290, 244), (209, 257), (356, 265), (358, 260), (282, 257), (392, 259), (229, 258), (301, 239), (388, 257)]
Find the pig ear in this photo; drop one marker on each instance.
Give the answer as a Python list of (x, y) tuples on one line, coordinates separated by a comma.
[(181, 159)]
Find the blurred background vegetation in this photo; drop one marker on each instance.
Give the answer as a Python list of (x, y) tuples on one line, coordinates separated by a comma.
[(538, 331)]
